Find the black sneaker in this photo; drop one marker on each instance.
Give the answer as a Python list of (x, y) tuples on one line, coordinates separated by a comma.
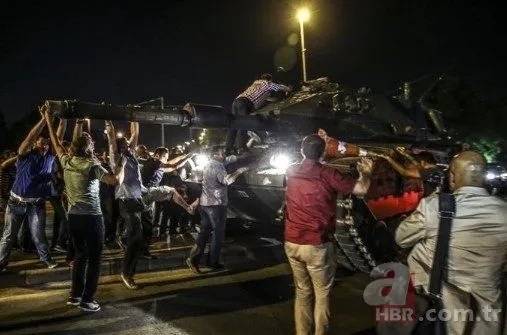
[(129, 282), (192, 265), (51, 264), (89, 306), (74, 301)]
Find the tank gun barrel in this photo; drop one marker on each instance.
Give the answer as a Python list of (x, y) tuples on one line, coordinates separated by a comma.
[(188, 115)]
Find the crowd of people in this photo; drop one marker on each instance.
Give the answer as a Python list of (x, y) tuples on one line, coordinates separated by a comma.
[(103, 199), (474, 280), (119, 196)]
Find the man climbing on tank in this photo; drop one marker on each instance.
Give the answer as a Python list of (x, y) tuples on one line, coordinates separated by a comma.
[(253, 98)]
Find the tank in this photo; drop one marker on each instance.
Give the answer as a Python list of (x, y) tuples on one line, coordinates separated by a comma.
[(406, 117)]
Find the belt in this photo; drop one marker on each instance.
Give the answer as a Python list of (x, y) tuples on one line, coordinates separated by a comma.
[(21, 199)]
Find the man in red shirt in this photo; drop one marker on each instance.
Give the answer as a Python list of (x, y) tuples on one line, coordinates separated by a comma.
[(311, 195)]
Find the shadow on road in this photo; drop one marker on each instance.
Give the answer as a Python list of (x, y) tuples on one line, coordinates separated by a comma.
[(174, 305)]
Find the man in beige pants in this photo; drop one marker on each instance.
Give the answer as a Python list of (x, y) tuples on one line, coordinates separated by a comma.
[(312, 191)]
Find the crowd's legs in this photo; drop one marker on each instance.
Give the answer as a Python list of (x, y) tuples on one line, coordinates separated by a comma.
[(60, 238), (147, 227), (109, 208), (130, 212), (88, 240), (35, 213), (313, 268), (213, 219)]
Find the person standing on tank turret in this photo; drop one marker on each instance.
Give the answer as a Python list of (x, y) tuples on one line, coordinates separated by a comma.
[(246, 103)]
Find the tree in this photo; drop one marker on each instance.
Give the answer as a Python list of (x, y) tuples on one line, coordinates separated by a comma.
[(475, 118)]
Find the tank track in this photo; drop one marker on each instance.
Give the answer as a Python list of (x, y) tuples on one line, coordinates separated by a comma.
[(351, 251)]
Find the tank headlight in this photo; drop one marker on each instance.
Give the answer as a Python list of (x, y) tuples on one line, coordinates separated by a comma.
[(490, 176), (280, 161), (201, 161)]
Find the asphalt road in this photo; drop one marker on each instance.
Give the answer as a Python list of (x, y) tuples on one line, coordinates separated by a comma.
[(252, 296)]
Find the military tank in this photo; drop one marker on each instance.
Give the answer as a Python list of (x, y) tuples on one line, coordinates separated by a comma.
[(378, 123)]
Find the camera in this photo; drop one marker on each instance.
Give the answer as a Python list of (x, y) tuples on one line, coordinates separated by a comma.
[(440, 178)]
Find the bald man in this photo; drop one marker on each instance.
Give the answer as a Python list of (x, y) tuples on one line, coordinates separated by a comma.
[(477, 251)]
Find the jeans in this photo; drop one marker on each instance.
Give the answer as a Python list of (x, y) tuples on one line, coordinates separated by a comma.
[(171, 215), (313, 267), (213, 219), (35, 214), (87, 233), (240, 106), (147, 227), (130, 212)]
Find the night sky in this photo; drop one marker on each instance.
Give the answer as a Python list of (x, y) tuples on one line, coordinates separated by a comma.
[(208, 51)]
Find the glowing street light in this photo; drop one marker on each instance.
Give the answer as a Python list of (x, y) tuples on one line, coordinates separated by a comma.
[(303, 15), (119, 134)]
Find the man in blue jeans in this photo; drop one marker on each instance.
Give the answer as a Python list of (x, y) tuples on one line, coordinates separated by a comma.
[(213, 209), (28, 195)]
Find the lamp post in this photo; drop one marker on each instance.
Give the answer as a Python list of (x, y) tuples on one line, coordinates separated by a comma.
[(303, 15), (162, 126)]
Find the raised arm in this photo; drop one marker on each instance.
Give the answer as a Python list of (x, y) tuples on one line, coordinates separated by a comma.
[(32, 136), (412, 172), (176, 163), (279, 87), (405, 154), (55, 142), (134, 134), (60, 131), (78, 129), (111, 140)]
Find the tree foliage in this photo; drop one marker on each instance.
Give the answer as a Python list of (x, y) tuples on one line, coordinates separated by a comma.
[(475, 117)]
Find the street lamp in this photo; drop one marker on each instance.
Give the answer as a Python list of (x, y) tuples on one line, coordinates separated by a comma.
[(303, 16)]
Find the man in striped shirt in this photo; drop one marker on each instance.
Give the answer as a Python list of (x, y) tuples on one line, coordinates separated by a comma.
[(247, 102)]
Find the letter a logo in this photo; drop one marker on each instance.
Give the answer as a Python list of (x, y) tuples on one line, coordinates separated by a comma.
[(397, 286)]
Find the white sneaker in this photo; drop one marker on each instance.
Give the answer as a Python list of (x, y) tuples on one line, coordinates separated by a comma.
[(89, 306)]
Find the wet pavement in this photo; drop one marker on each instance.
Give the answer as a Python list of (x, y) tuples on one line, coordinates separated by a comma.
[(253, 295)]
